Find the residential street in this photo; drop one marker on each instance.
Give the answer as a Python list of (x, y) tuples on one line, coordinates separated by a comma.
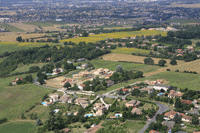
[(162, 108)]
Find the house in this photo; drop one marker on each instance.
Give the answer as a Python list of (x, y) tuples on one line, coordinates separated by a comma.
[(137, 111), (110, 83), (196, 131), (186, 118), (169, 124), (81, 59), (97, 105), (69, 80), (14, 82), (100, 111), (93, 129), (152, 82), (133, 103), (187, 102), (161, 87), (82, 101), (169, 115), (190, 47), (150, 90), (64, 99), (70, 100), (70, 62), (57, 71), (81, 86), (53, 97), (174, 94), (84, 66), (153, 131), (124, 90), (112, 117)]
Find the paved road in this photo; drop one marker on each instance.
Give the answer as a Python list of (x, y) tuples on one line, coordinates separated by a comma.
[(162, 108), (37, 83)]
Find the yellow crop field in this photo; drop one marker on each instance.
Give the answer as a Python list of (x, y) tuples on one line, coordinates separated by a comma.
[(124, 50), (99, 37)]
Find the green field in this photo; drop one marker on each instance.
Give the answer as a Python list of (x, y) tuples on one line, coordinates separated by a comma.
[(14, 46), (111, 65), (18, 127), (15, 100), (24, 68), (124, 50), (181, 80), (10, 27), (104, 36)]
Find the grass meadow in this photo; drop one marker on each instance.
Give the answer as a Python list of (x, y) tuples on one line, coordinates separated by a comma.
[(15, 100), (181, 80), (18, 127), (11, 28), (111, 65), (104, 36)]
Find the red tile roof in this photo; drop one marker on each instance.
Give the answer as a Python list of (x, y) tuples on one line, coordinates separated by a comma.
[(153, 131), (170, 113), (186, 102)]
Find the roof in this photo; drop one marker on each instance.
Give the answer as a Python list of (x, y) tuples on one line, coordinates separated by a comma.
[(17, 79), (159, 85), (124, 90), (64, 98), (137, 111), (93, 129), (82, 85), (186, 102), (187, 117), (170, 113), (109, 81), (153, 131), (174, 93), (169, 124)]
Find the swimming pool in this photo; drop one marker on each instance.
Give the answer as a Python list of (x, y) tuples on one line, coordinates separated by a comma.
[(88, 115)]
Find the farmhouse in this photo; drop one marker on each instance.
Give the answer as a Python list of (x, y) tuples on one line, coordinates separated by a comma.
[(64, 99), (137, 111), (100, 111), (110, 83), (81, 86), (169, 124), (14, 82), (174, 94), (53, 97), (70, 80), (187, 118), (161, 87), (133, 103), (169, 115), (82, 101)]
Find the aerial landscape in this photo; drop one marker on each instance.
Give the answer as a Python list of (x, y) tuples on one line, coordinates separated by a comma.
[(112, 66)]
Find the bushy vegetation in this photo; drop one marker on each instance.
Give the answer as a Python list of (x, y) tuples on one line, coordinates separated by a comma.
[(41, 54)]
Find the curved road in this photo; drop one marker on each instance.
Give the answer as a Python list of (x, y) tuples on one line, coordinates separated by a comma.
[(162, 108)]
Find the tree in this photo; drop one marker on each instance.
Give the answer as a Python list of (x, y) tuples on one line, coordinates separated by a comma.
[(41, 81), (155, 48), (140, 74), (33, 69), (39, 122), (198, 44), (149, 61), (120, 92), (178, 103), (67, 85), (173, 62), (23, 117), (19, 39), (177, 118), (195, 120), (84, 34), (119, 69), (162, 62)]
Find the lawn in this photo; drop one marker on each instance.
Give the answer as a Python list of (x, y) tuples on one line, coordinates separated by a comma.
[(181, 80), (124, 50), (18, 127), (109, 100), (11, 28), (15, 100), (134, 126), (14, 46), (2, 59), (111, 65), (104, 36)]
